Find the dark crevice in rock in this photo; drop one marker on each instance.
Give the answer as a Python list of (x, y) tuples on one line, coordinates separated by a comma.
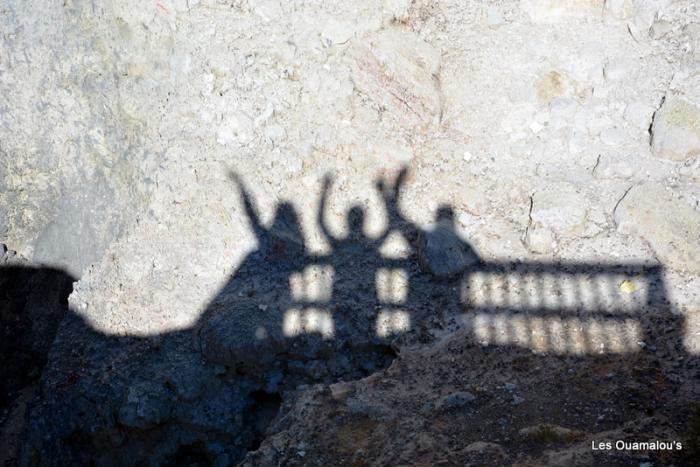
[(261, 414), (33, 302), (192, 455)]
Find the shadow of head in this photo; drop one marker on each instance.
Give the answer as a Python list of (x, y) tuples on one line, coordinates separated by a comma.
[(356, 221), (286, 235), (445, 213), (588, 301)]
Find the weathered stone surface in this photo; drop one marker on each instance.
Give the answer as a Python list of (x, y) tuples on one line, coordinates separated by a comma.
[(639, 115), (31, 310), (612, 136), (340, 391), (670, 225), (691, 169), (539, 239), (456, 400), (397, 70), (631, 166), (483, 446), (676, 129), (639, 14), (243, 336), (237, 127), (615, 166), (71, 158), (551, 86), (146, 406), (560, 207), (552, 10), (548, 433)]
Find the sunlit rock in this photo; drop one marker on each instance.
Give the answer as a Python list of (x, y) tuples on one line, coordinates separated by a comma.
[(397, 70), (560, 207), (539, 239), (666, 222), (676, 129), (553, 10), (236, 127)]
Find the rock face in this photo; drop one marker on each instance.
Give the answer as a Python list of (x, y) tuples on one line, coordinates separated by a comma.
[(209, 392), (243, 338), (664, 221), (539, 239), (560, 207), (456, 400), (676, 130), (32, 308), (151, 398), (397, 71), (198, 315), (66, 195), (551, 10)]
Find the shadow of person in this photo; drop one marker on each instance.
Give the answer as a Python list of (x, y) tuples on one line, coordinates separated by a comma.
[(439, 255), (442, 251), (202, 392), (355, 260), (283, 241), (356, 237), (273, 320), (243, 325), (395, 218)]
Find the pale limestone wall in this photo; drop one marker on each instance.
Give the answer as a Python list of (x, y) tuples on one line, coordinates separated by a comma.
[(121, 120)]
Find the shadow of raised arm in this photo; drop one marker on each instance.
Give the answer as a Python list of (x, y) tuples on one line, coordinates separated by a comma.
[(396, 220), (250, 210), (321, 213)]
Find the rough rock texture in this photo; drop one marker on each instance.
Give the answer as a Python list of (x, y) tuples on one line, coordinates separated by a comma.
[(560, 208), (398, 71), (669, 224), (234, 306), (676, 130), (34, 302), (74, 162), (574, 401)]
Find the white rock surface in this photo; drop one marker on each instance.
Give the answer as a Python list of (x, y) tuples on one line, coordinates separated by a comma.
[(553, 10), (639, 115), (670, 225), (676, 129), (560, 207), (539, 239), (397, 70), (119, 124)]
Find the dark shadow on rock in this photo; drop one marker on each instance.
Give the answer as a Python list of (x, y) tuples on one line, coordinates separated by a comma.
[(260, 326), (209, 395), (33, 302)]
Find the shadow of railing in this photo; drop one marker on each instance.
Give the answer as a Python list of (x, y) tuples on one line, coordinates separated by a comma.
[(570, 308), (360, 297), (288, 317)]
